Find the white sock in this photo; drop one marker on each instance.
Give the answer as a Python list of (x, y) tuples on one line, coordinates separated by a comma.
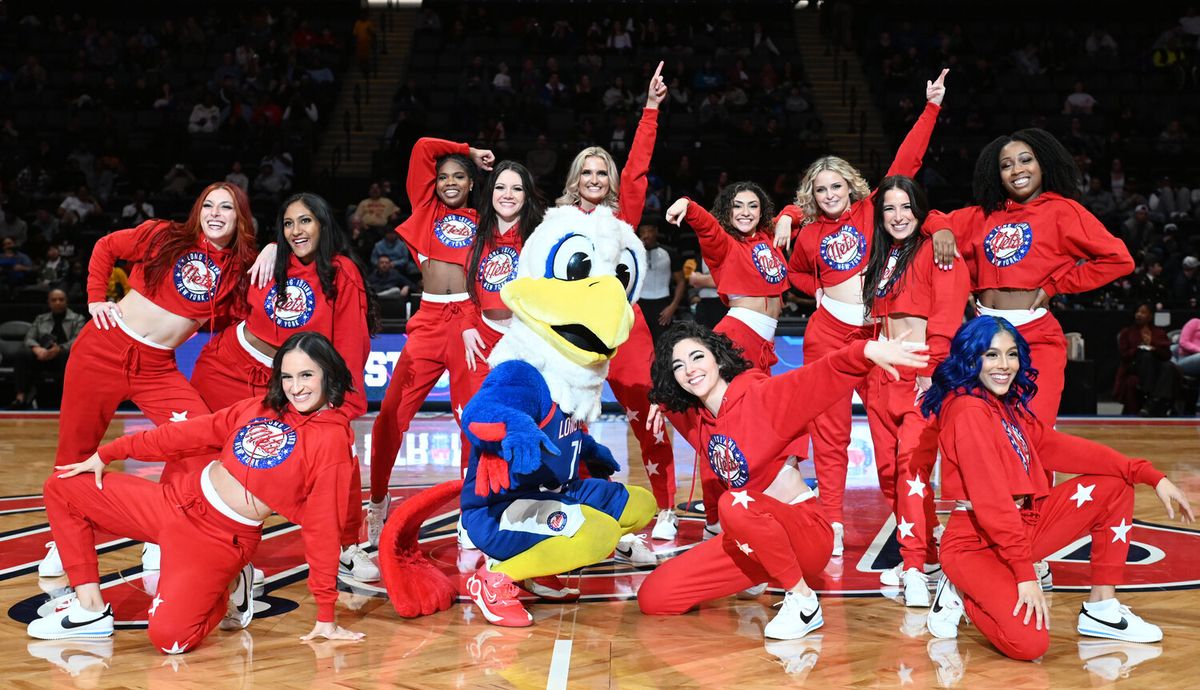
[(1102, 606), (379, 503)]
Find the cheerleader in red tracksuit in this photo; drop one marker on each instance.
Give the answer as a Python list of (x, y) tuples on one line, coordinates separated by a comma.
[(511, 210), (183, 275), (590, 184), (750, 274), (1024, 243), (743, 419), (288, 452), (325, 293), (439, 235), (833, 206), (1007, 516), (910, 299)]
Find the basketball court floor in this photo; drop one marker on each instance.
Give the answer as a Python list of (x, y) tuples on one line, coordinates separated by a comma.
[(869, 639)]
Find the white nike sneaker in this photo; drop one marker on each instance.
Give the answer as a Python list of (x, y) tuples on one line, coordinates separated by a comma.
[(260, 578), (839, 536), (240, 611), (51, 565), (376, 517), (151, 556), (797, 617), (1103, 657), (951, 666), (70, 619), (357, 563), (711, 531), (666, 525), (1114, 620), (892, 577), (464, 539), (916, 588), (1042, 570), (946, 611), (74, 656), (632, 549)]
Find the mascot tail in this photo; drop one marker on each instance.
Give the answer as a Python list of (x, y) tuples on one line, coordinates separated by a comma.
[(414, 584)]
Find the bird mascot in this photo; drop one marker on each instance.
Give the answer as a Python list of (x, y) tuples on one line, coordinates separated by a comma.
[(526, 502)]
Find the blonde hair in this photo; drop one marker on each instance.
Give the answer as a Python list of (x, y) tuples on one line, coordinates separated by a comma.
[(570, 195), (804, 193)]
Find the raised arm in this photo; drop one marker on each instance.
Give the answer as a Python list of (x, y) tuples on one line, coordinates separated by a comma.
[(633, 176), (714, 241), (324, 515)]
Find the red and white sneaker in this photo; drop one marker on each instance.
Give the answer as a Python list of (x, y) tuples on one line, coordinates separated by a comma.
[(496, 596), (550, 588)]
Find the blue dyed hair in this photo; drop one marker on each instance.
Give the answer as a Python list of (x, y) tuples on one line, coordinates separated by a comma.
[(959, 373)]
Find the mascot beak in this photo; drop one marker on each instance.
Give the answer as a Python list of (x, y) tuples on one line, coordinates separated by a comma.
[(584, 320)]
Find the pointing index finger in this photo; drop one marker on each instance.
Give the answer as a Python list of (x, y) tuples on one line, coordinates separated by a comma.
[(942, 77), (657, 71)]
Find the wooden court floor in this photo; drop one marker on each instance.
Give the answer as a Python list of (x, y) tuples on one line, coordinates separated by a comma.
[(869, 640)]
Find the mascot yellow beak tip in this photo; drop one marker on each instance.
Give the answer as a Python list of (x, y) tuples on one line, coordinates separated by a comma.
[(584, 320)]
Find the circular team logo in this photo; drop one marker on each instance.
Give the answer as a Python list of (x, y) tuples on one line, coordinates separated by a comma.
[(557, 521), (768, 263), (298, 304), (455, 230), (196, 277), (844, 249), (885, 280), (1007, 244), (1017, 440), (498, 268), (264, 443), (727, 461)]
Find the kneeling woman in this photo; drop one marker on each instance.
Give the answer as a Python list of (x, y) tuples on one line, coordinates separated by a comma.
[(742, 419), (289, 452), (994, 453)]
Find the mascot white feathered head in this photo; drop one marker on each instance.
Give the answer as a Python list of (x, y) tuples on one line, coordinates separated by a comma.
[(577, 277)]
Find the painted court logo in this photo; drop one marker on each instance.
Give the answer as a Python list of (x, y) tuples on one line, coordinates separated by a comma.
[(455, 230), (264, 443), (844, 249), (557, 521), (196, 277), (498, 268), (768, 263), (1007, 244), (728, 461), (298, 304)]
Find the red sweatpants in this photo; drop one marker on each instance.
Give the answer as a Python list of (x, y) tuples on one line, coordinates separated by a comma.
[(1048, 352), (764, 540), (202, 550), (225, 374), (434, 345), (905, 446), (107, 367), (831, 429), (490, 337), (987, 585), (629, 378)]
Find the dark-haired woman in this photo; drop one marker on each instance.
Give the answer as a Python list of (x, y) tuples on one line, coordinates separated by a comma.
[(512, 207), (908, 298), (288, 452), (827, 225), (1027, 240), (439, 233), (1007, 516), (184, 275), (736, 243), (743, 419), (594, 180), (324, 292)]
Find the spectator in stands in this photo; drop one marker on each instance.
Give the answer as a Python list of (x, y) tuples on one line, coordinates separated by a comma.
[(713, 114), (542, 159), (1149, 286), (45, 225), (1168, 202), (206, 116), (1187, 358), (12, 225), (1173, 139), (396, 252), (1116, 179), (1100, 44), (663, 288), (1027, 60), (1100, 202), (178, 181), (617, 97), (586, 100), (48, 344), (31, 76), (237, 177), (387, 281), (137, 211), (52, 270), (1185, 289), (619, 39), (502, 81), (554, 93), (377, 213), (77, 207), (15, 267), (1137, 229), (364, 41), (1079, 101), (1147, 382), (166, 97), (269, 183), (361, 242)]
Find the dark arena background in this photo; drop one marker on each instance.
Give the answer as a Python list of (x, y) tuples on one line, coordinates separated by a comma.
[(113, 113)]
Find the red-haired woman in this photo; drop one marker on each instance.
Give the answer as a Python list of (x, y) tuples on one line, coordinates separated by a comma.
[(184, 275)]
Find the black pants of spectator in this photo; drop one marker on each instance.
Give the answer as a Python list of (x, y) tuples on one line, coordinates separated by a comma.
[(710, 311), (1158, 388), (651, 308), (47, 376)]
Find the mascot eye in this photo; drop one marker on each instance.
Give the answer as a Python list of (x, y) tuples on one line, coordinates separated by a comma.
[(572, 258), (628, 271)]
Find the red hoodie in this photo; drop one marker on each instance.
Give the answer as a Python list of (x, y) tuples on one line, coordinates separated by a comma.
[(434, 230), (298, 465), (992, 453), (750, 266)]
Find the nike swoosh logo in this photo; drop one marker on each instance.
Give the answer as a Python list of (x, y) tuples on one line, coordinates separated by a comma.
[(808, 619), (69, 624), (937, 606), (1123, 624)]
